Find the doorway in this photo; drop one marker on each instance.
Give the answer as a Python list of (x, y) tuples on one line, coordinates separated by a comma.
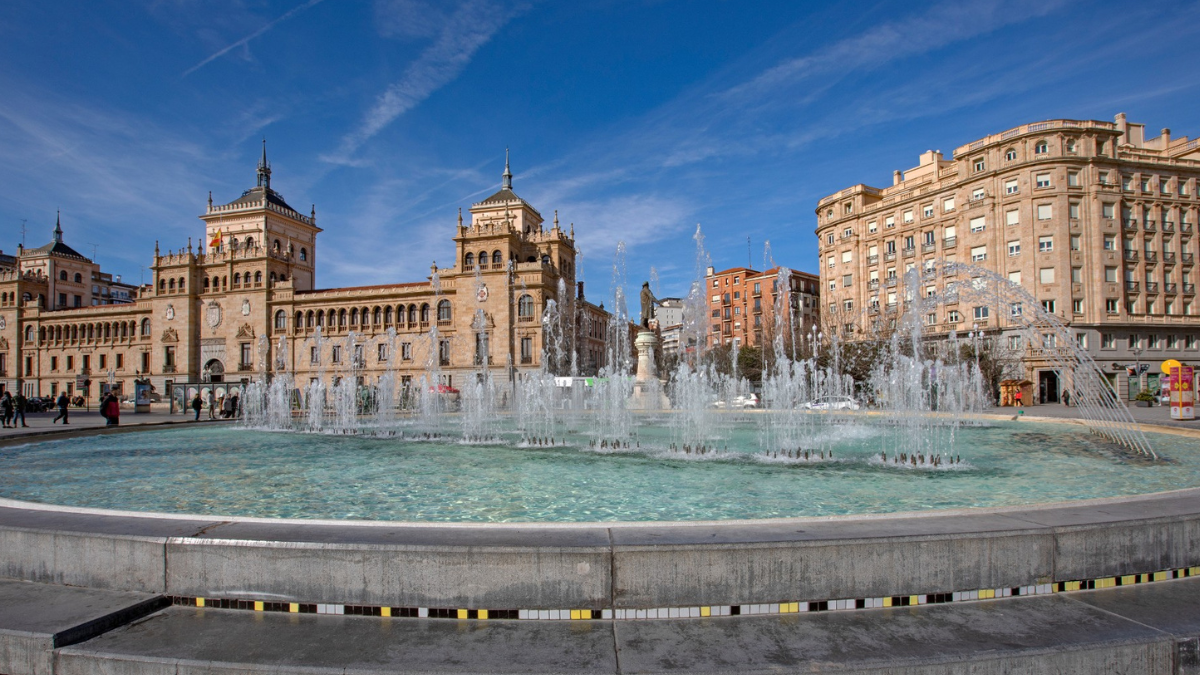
[(215, 371), (1047, 386)]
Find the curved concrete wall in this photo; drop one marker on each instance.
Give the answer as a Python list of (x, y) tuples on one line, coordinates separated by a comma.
[(600, 566)]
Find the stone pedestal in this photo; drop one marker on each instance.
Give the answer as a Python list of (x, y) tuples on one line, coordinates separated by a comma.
[(647, 389)]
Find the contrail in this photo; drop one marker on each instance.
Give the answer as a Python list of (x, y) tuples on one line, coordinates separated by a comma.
[(268, 26)]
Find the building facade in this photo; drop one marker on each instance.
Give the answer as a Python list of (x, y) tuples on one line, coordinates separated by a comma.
[(1092, 218), (743, 304), (246, 303)]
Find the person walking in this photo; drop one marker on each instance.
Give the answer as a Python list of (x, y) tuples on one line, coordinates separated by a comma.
[(6, 408), (1066, 397), (227, 407), (63, 404), (197, 404), (21, 403), (110, 409), (212, 405), (1017, 399), (233, 405)]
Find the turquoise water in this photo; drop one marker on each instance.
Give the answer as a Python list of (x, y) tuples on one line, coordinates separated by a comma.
[(228, 471)]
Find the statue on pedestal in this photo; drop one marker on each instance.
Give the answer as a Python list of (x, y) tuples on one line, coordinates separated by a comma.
[(648, 303)]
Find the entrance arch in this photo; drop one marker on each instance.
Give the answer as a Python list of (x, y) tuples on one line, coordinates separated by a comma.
[(215, 371)]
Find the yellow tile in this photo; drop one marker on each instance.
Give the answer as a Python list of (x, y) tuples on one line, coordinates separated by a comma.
[(293, 607), (574, 614), (1143, 578), (989, 593), (705, 611), (483, 613), (793, 607), (912, 600), (199, 602), (258, 606), (1128, 579), (1071, 586), (462, 613), (1194, 570), (1160, 576), (585, 613), (1107, 582), (383, 611), (887, 602)]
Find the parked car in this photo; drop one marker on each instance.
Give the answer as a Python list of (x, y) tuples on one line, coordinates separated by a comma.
[(739, 402), (833, 403), (36, 404)]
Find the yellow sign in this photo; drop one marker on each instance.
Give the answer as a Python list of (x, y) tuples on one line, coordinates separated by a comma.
[(1168, 365)]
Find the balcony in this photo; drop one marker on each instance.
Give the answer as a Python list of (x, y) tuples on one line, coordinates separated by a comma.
[(873, 284), (444, 361), (168, 368), (1170, 287), (1151, 256), (1187, 258), (949, 242), (1131, 286), (1168, 226), (890, 282), (1186, 228), (1169, 257), (1131, 256), (1189, 289), (928, 247), (1150, 225), (1151, 286), (245, 367), (526, 359), (872, 259), (1131, 224), (889, 256), (910, 252)]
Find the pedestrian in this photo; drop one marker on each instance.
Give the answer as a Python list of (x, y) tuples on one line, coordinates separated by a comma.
[(233, 406), (110, 409), (1017, 399), (212, 405), (6, 408), (197, 404), (1067, 397), (227, 407), (63, 404), (21, 403)]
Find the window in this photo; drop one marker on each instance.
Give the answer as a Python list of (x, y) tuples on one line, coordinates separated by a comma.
[(828, 240), (1046, 275), (406, 351), (280, 320), (889, 222), (1076, 275), (977, 194), (1045, 211), (1107, 210), (978, 253), (1041, 148), (889, 247), (1126, 182), (978, 223), (314, 355), (1108, 341), (1012, 217), (1014, 248), (1145, 185), (930, 318), (846, 279), (526, 350), (443, 311), (245, 355), (1072, 179), (145, 362), (1048, 305), (846, 234), (909, 243), (53, 363), (1015, 309), (1110, 306), (1074, 242), (847, 256), (927, 238), (1155, 342), (168, 358), (1010, 155), (953, 316), (1073, 210), (908, 216), (1049, 340), (980, 164), (1042, 180), (1045, 244), (948, 204), (1110, 242), (829, 261), (872, 227), (1014, 342), (1010, 187), (1077, 306), (927, 211), (1015, 277), (981, 312), (303, 253), (1070, 146), (335, 354)]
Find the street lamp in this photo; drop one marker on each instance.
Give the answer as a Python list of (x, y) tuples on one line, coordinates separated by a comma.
[(1137, 368)]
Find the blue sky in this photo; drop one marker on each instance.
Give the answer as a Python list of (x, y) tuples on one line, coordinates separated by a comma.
[(636, 120)]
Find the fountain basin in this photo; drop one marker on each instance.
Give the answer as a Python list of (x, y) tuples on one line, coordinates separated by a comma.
[(602, 566)]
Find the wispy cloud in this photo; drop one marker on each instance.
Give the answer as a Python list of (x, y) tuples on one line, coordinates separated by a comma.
[(245, 42), (470, 27)]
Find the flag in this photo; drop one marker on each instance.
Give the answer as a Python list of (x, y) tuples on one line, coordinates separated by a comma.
[(216, 240)]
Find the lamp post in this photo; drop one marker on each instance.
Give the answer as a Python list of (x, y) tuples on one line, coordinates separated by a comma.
[(1137, 368)]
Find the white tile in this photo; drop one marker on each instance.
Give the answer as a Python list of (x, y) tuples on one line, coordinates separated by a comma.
[(338, 609), (956, 596), (774, 608), (521, 613), (641, 614), (423, 612), (673, 613), (920, 599), (803, 606), (543, 614), (606, 614)]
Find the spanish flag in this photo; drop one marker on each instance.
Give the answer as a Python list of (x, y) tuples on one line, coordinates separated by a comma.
[(216, 240)]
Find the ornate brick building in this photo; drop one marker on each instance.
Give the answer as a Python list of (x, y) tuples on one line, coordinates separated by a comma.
[(204, 315)]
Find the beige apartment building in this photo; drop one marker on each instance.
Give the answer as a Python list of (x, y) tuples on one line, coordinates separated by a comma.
[(1092, 218), (203, 319)]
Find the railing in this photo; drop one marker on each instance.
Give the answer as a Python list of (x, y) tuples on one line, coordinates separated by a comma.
[(1131, 255), (1131, 286), (1151, 286), (168, 368), (949, 242), (910, 252), (443, 323), (890, 282), (928, 247), (1187, 258), (1168, 256), (1150, 225), (1189, 289), (1168, 226), (526, 360), (873, 284), (889, 256), (1171, 287), (1151, 256), (245, 367), (524, 319), (872, 259), (1131, 224)]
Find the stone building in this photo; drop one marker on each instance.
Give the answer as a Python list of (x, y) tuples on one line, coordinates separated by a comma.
[(743, 304), (1095, 220), (220, 312)]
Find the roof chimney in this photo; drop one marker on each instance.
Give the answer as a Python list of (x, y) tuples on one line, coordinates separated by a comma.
[(1166, 138), (897, 177)]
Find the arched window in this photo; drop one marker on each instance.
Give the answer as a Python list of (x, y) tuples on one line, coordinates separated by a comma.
[(320, 317), (78, 278), (62, 275), (74, 333), (91, 332), (1071, 145), (483, 260), (342, 318), (354, 317), (225, 282), (258, 277), (171, 285), (275, 246), (469, 261), (181, 285), (299, 320), (124, 330), (412, 314), (283, 277), (425, 313), (497, 259), (107, 331), (308, 320), (1010, 155), (387, 315), (1041, 148), (272, 278), (378, 316), (249, 242), (145, 327), (41, 335), (216, 283), (237, 279), (280, 320), (29, 333), (26, 297), (162, 285), (525, 307), (58, 334), (206, 284), (443, 309), (303, 253)]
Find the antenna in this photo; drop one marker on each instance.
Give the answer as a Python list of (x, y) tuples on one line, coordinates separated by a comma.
[(23, 221), (749, 256), (94, 246)]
